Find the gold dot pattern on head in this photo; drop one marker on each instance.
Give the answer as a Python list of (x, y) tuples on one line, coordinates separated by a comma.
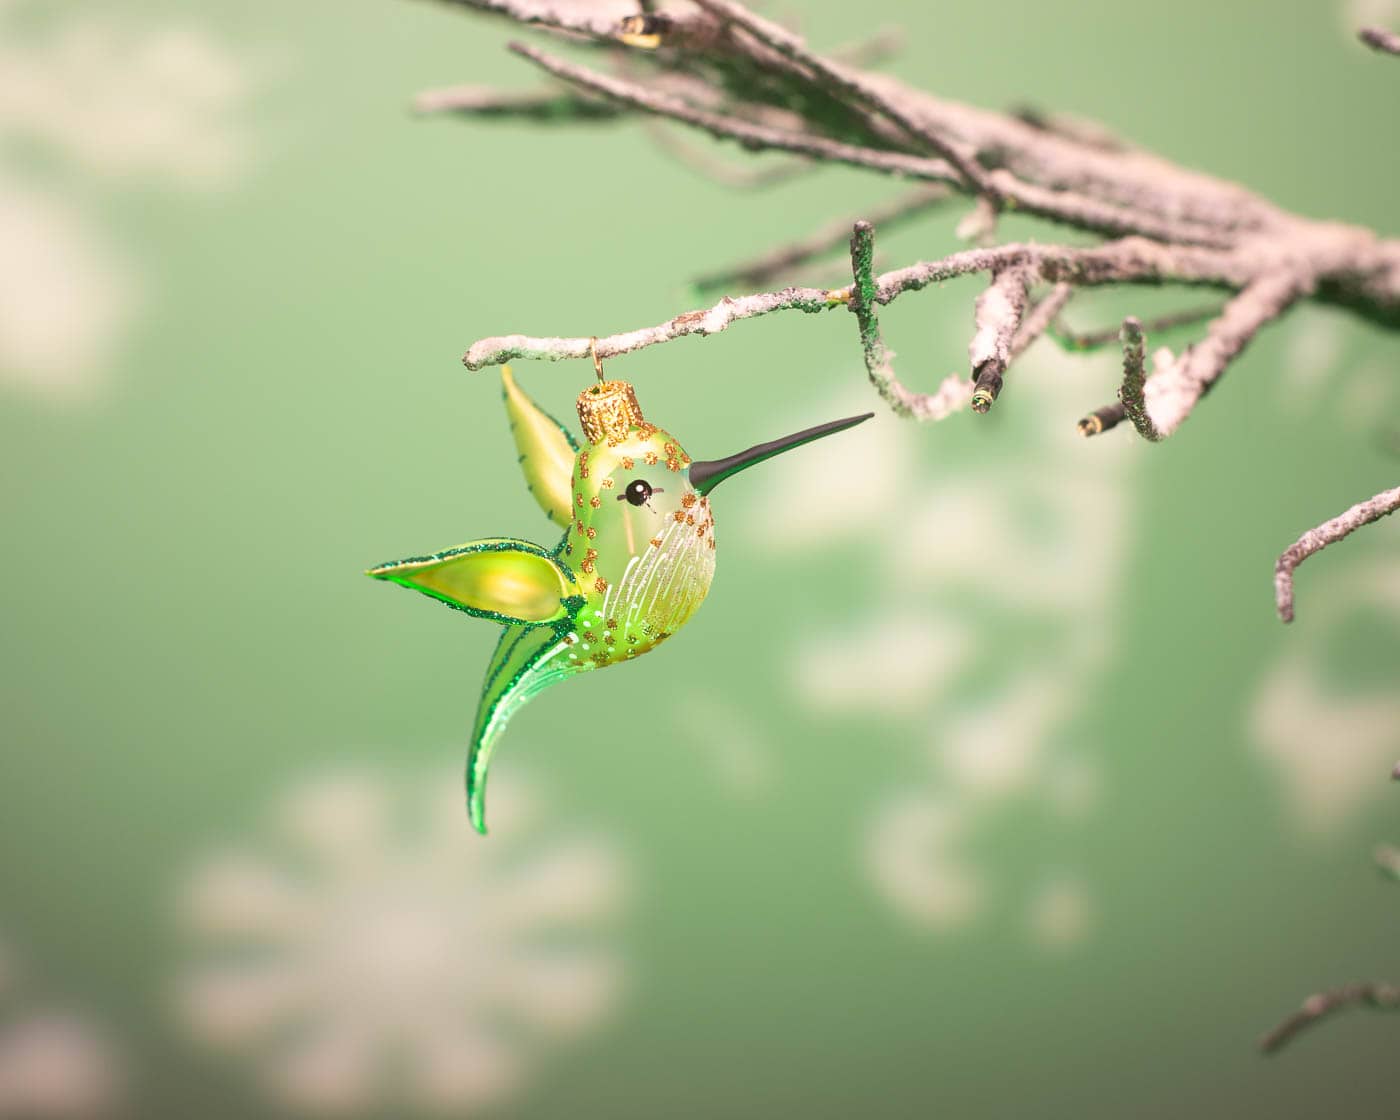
[(673, 464), (651, 458), (626, 463), (688, 499), (595, 501), (606, 484)]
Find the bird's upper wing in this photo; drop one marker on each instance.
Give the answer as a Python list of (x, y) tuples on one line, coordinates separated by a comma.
[(546, 449)]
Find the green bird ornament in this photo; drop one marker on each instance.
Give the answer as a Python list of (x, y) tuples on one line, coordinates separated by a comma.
[(635, 562)]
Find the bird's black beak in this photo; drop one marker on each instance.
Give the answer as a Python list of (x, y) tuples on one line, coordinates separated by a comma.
[(706, 475)]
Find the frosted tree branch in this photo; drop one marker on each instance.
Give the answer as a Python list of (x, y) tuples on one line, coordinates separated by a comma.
[(863, 296), (997, 314), (1130, 394), (1377, 38), (716, 68), (1328, 533), (828, 239), (1377, 996), (536, 105)]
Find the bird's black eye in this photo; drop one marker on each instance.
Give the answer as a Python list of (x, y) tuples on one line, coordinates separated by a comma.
[(638, 492)]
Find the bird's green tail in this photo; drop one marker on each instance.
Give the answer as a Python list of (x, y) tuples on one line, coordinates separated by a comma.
[(527, 660)]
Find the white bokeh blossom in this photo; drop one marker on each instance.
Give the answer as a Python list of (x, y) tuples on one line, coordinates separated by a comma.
[(1012, 549), (367, 950), (56, 1062), (110, 105), (1331, 742)]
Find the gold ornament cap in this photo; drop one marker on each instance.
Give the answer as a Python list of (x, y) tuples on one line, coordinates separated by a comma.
[(608, 410)]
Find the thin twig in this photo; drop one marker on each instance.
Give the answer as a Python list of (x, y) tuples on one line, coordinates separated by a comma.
[(951, 395), (1102, 420), (1071, 339), (998, 314), (539, 105), (1039, 318), (834, 235), (883, 45), (1378, 38), (851, 85), (1328, 533), (1378, 996), (1134, 378), (506, 348), (1174, 389), (1129, 261), (1074, 128), (575, 20), (752, 136), (1064, 206), (664, 136)]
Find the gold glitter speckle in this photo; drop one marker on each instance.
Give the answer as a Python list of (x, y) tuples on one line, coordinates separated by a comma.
[(689, 518), (680, 516), (655, 542), (606, 484), (612, 624), (627, 463), (592, 532), (595, 502), (600, 585), (651, 458), (688, 499), (578, 500), (586, 567)]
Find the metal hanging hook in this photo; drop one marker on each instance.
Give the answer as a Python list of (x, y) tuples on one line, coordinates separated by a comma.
[(597, 361)]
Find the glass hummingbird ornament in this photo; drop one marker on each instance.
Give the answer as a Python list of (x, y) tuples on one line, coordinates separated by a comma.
[(635, 562)]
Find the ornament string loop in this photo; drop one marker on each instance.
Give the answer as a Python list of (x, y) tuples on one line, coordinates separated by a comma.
[(597, 361)]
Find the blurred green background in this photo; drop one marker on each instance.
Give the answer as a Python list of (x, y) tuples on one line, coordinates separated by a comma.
[(1043, 813)]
